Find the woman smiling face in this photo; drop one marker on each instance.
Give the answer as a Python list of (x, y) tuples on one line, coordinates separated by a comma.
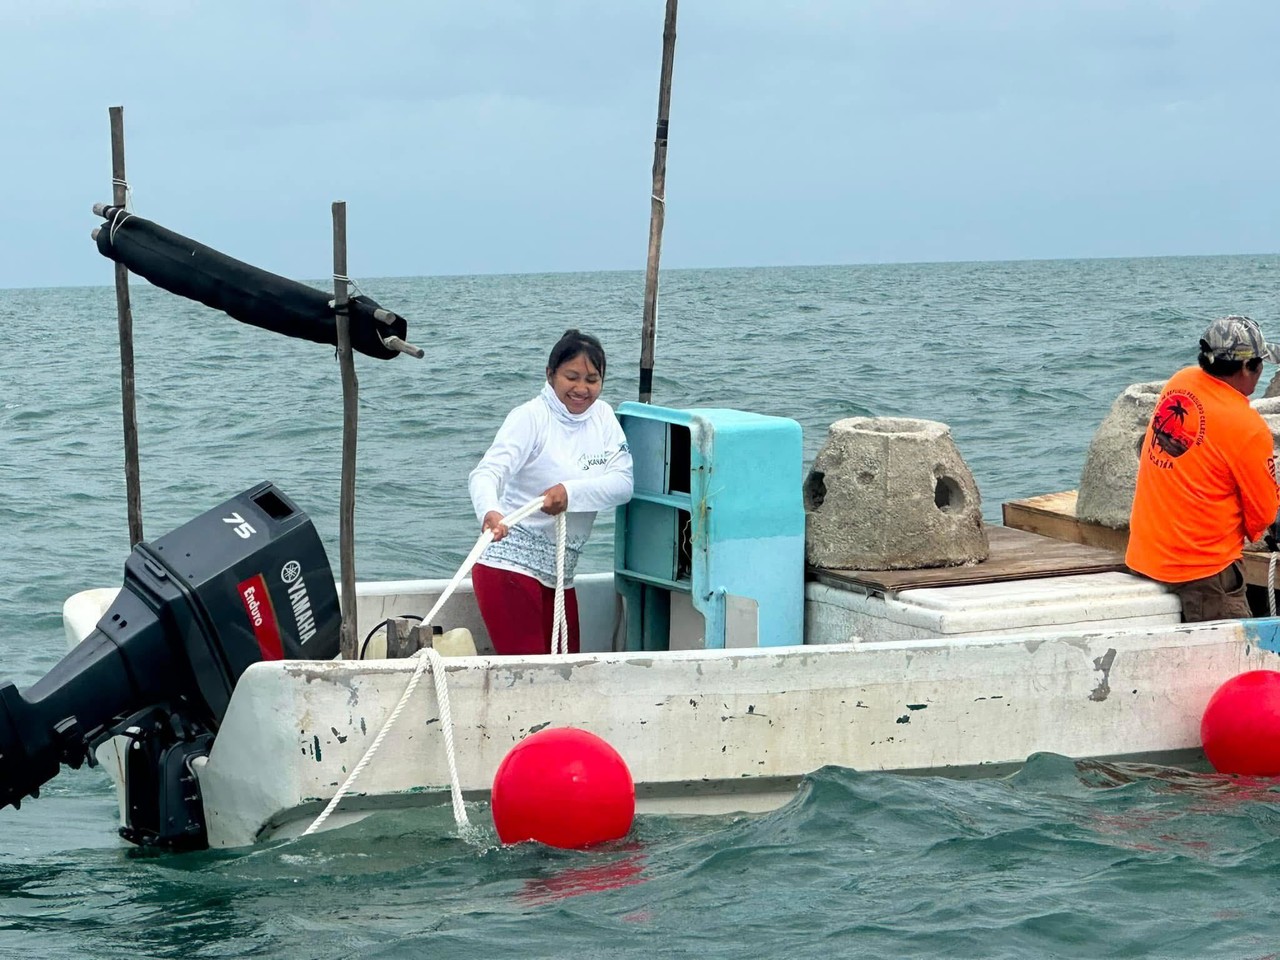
[(576, 382)]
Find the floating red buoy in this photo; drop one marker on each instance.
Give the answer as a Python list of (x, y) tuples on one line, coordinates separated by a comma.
[(1240, 729), (563, 787)]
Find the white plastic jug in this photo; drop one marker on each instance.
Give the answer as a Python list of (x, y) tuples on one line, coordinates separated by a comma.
[(457, 642)]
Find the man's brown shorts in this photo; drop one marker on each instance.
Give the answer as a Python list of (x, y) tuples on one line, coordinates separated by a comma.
[(1219, 597)]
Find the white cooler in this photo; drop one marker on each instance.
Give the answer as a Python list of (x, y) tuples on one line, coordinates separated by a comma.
[(1042, 605)]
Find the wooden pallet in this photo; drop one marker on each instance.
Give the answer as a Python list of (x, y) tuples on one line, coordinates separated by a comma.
[(1015, 555), (1054, 515), (1041, 537)]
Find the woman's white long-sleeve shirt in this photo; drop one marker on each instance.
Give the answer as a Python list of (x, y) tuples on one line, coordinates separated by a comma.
[(539, 445)]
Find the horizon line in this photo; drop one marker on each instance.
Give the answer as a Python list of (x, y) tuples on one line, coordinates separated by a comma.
[(703, 269)]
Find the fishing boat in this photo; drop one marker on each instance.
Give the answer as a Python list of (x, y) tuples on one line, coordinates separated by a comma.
[(720, 659), (959, 680), (719, 665), (717, 659)]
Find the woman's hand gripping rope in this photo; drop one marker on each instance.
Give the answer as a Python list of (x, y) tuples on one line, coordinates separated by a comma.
[(555, 500)]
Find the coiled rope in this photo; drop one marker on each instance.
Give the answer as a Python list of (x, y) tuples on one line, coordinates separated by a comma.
[(428, 655)]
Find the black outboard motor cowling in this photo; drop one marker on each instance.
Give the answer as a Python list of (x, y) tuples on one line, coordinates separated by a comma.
[(247, 581)]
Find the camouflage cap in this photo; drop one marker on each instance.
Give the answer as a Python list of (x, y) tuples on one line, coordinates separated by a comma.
[(1237, 338)]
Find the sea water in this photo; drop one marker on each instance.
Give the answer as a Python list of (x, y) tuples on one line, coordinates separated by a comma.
[(1022, 360)]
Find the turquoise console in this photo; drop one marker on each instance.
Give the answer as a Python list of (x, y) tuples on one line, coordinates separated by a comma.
[(710, 550)]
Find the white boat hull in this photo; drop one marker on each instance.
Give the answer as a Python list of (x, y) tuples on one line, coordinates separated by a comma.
[(711, 730)]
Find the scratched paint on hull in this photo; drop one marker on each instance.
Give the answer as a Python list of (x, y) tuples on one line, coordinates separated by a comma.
[(1103, 665), (1264, 633)]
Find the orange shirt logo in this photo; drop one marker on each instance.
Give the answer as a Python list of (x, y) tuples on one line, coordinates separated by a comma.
[(1178, 424)]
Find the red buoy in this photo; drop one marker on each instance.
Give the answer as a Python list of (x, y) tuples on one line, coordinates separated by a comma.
[(563, 787), (1240, 729)]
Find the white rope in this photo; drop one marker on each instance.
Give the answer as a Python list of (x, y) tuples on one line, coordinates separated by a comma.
[(124, 212), (1271, 584), (431, 656), (338, 276), (128, 192), (559, 623), (1271, 560), (117, 221)]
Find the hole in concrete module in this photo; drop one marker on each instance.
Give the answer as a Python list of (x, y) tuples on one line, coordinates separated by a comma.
[(947, 495), (815, 490)]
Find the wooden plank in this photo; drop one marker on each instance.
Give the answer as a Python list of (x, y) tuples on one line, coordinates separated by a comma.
[(1054, 515), (1042, 537), (1015, 555)]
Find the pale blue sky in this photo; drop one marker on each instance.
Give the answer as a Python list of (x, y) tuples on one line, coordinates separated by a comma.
[(496, 136)]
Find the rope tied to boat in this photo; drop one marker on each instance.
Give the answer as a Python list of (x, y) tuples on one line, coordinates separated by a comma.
[(123, 212), (128, 192), (1271, 560), (429, 655), (1271, 584), (117, 221), (559, 624), (345, 279)]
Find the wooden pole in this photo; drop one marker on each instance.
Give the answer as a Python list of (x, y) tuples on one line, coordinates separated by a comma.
[(657, 208), (350, 418), (124, 320)]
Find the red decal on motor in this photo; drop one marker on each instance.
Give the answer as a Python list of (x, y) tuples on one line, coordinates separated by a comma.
[(257, 603)]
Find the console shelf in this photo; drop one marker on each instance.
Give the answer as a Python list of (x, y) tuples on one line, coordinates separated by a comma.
[(716, 524)]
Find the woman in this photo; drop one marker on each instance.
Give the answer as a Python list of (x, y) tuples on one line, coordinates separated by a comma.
[(566, 446)]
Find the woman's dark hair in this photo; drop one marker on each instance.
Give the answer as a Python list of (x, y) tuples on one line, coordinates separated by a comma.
[(571, 344)]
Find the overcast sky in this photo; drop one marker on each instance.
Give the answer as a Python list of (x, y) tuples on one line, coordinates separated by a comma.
[(498, 136)]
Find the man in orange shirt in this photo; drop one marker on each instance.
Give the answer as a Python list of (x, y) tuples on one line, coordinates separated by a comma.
[(1206, 475)]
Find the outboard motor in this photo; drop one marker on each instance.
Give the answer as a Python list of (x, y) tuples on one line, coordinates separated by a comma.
[(247, 581)]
